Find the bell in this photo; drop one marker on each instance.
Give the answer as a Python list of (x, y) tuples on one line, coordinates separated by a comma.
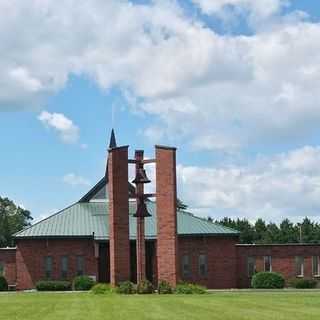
[(141, 177), (142, 211)]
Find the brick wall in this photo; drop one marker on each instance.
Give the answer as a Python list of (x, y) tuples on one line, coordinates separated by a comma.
[(221, 260), (8, 260), (30, 257), (118, 215), (283, 259), (166, 190)]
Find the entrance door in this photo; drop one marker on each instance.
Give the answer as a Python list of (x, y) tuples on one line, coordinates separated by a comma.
[(104, 263)]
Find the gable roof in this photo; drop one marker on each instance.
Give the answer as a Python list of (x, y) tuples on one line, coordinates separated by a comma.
[(99, 191), (91, 219)]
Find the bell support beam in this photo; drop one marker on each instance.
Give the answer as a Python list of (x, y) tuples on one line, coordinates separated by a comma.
[(140, 243), (144, 161)]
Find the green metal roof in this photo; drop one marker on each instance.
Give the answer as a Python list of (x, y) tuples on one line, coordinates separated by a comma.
[(84, 219)]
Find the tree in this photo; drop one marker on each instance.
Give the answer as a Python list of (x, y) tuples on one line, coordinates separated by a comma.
[(260, 231), (288, 233), (246, 229), (12, 219), (181, 205)]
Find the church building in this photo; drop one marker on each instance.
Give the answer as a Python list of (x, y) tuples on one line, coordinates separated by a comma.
[(117, 232)]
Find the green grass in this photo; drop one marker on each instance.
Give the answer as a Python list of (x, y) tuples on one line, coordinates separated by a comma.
[(217, 305)]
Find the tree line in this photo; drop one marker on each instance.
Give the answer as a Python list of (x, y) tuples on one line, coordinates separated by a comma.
[(261, 232), (12, 219)]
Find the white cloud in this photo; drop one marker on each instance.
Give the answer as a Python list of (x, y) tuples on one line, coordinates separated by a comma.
[(261, 7), (257, 12), (276, 102), (75, 180), (217, 92), (67, 130), (285, 185)]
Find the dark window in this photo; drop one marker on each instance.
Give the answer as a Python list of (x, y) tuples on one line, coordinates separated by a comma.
[(1, 269), (267, 264), (48, 267), (64, 267), (80, 265), (251, 266), (299, 266), (316, 265), (186, 269), (203, 265)]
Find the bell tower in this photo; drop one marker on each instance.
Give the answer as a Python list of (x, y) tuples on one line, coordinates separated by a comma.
[(166, 205)]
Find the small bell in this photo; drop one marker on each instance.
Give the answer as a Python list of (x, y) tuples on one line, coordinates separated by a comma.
[(141, 177), (142, 211)]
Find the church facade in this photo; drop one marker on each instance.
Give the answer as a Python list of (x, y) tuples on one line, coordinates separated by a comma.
[(117, 232)]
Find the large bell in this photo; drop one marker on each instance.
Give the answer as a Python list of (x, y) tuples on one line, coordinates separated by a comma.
[(141, 177), (142, 211)]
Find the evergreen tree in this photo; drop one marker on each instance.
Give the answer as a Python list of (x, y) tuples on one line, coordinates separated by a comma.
[(288, 232), (260, 231)]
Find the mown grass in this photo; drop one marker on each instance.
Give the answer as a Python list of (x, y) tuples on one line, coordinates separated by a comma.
[(217, 305)]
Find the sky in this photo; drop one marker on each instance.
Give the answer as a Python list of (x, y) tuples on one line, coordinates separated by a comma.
[(233, 84)]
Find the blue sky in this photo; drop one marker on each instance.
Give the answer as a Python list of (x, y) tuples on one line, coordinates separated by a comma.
[(232, 83)]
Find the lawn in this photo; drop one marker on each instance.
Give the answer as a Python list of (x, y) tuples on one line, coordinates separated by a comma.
[(217, 305)]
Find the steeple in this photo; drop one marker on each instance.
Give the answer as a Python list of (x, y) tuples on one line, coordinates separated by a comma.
[(113, 142)]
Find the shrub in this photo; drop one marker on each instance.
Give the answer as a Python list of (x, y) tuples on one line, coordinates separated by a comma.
[(164, 287), (47, 285), (144, 287), (3, 284), (267, 280), (126, 287), (83, 283), (303, 283), (189, 288), (101, 288)]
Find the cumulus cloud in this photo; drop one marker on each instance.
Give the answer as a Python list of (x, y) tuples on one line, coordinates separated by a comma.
[(67, 130), (262, 7), (278, 94), (214, 91), (75, 180), (285, 185), (256, 12)]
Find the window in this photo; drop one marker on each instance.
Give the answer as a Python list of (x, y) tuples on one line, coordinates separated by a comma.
[(267, 264), (80, 265), (203, 265), (186, 270), (299, 266), (1, 269), (316, 265), (64, 267), (48, 267), (251, 266)]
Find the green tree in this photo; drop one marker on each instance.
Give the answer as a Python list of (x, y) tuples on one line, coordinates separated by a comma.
[(181, 205), (288, 233), (12, 219), (308, 231), (273, 234), (260, 231), (246, 229)]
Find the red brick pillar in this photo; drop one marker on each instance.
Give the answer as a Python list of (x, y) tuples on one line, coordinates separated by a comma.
[(141, 250), (166, 193), (118, 215)]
